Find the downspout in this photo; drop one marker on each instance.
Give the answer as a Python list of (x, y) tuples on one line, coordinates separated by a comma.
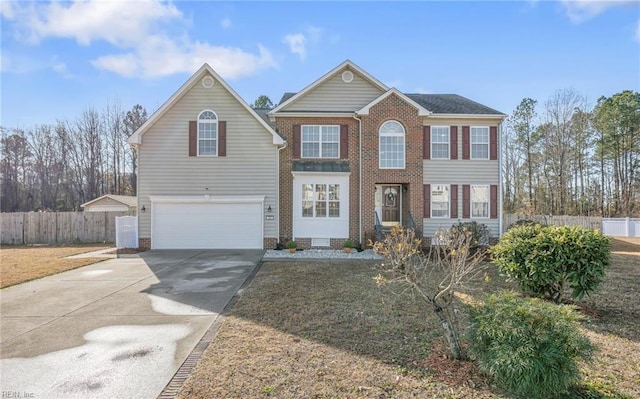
[(355, 116), (277, 216), (500, 199)]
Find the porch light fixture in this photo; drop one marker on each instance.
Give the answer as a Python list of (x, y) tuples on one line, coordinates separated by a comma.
[(143, 209), (269, 209)]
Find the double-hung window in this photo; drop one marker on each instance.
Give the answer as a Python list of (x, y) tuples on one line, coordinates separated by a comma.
[(479, 201), (440, 142), (320, 200), (207, 133), (320, 141), (439, 201), (479, 142), (392, 146)]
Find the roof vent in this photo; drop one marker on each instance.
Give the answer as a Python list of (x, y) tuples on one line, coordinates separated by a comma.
[(347, 76), (207, 82)]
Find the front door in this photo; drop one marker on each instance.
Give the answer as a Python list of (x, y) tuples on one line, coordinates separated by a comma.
[(391, 204)]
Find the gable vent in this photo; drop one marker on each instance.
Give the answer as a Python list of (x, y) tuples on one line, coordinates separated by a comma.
[(207, 82), (347, 76)]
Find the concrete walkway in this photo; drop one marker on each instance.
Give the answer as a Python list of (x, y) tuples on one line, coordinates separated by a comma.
[(101, 253), (116, 329)]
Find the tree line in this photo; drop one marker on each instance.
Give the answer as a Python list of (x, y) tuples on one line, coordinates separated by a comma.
[(58, 167), (566, 158)]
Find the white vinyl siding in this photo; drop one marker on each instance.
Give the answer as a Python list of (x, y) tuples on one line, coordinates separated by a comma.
[(479, 142), (320, 141), (337, 96), (440, 142), (165, 168)]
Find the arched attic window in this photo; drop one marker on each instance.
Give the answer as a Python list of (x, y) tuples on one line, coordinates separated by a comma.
[(392, 145)]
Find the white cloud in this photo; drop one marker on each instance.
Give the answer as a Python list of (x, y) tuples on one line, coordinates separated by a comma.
[(422, 90), (148, 33), (297, 44), (225, 23), (582, 10)]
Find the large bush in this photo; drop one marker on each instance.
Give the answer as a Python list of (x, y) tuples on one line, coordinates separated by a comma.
[(543, 259), (529, 346)]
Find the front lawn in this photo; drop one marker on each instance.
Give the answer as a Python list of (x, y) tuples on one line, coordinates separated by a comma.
[(25, 263), (322, 330)]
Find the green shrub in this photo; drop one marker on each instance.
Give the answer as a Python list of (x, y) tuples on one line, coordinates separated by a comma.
[(542, 259), (480, 232), (529, 346)]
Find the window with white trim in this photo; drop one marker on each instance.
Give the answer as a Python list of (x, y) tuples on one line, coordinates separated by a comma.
[(439, 142), (320, 141), (479, 142), (440, 201), (391, 146), (479, 201), (207, 133), (320, 200)]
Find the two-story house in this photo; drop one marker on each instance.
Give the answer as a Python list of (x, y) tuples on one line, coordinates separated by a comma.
[(342, 158), (362, 156)]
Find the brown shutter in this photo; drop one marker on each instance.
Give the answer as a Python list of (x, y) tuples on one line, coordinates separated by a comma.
[(426, 142), (454, 201), (427, 200), (453, 141), (493, 201), (344, 141), (466, 201), (193, 138), (493, 143), (465, 143), (296, 142), (222, 138)]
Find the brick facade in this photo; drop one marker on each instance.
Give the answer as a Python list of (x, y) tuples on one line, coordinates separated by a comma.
[(391, 108), (285, 128)]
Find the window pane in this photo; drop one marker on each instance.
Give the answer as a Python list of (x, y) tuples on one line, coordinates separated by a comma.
[(439, 134), (440, 209), (310, 150), (334, 209), (334, 192), (330, 133), (310, 133), (307, 192), (479, 201), (207, 147), (440, 194), (207, 130), (440, 151), (321, 192), (207, 115), (329, 150), (321, 209), (480, 151), (307, 209), (480, 135)]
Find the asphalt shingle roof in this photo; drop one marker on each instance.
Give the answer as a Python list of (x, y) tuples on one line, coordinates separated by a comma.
[(440, 104)]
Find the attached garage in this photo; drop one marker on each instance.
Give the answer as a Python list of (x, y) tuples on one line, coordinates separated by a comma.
[(207, 222)]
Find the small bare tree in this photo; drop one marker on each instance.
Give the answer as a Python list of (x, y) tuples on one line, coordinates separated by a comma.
[(434, 276)]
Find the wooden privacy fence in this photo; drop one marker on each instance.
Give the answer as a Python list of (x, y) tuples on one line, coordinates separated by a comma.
[(589, 222), (20, 228)]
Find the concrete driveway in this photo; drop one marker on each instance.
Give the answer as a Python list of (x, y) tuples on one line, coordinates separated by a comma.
[(116, 329)]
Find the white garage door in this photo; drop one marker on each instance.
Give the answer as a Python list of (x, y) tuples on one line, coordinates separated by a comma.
[(206, 225)]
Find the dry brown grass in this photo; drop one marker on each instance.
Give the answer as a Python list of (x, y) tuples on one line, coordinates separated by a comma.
[(321, 330), (25, 263)]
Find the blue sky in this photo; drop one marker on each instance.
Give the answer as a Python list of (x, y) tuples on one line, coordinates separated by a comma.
[(62, 57)]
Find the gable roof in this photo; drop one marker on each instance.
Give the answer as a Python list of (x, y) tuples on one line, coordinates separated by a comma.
[(127, 200), (422, 111), (348, 63), (136, 137)]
